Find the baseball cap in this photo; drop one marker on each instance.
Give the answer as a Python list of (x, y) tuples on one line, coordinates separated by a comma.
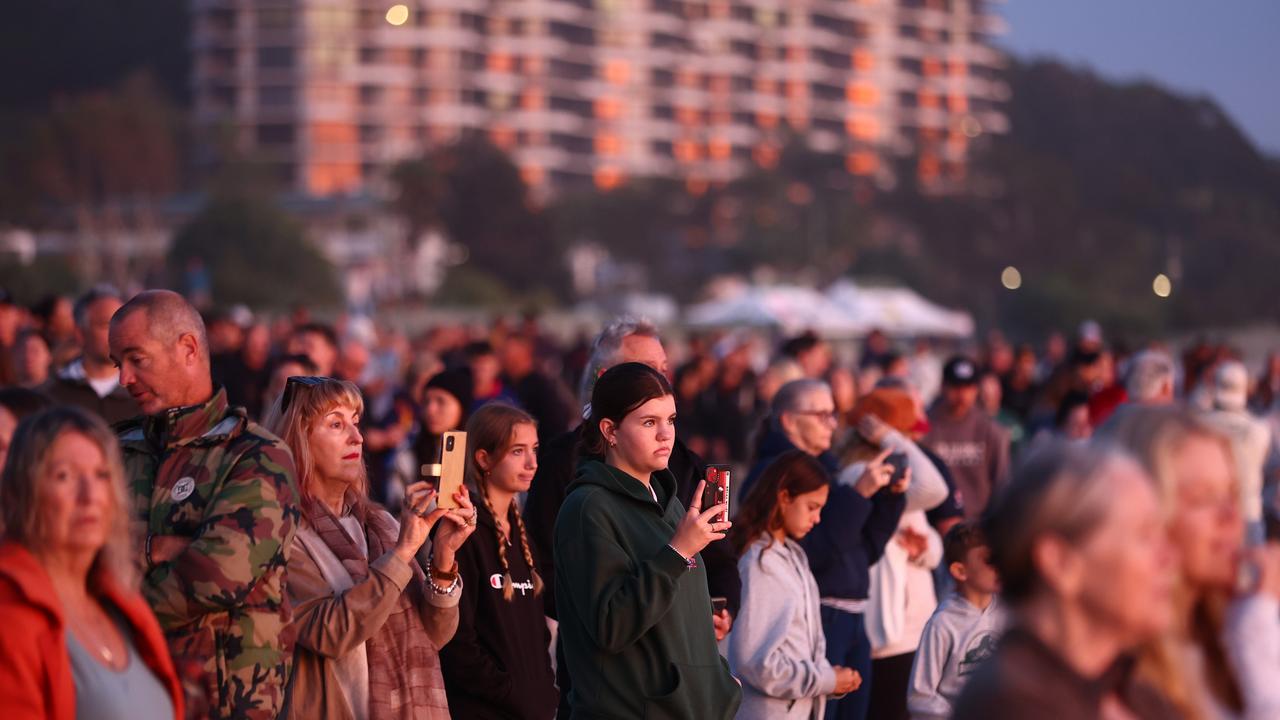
[(960, 370)]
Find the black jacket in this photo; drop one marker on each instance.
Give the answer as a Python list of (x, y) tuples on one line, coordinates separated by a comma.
[(496, 666), (69, 387), (635, 619), (557, 463)]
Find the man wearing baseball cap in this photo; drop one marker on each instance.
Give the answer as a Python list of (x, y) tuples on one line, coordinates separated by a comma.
[(973, 445)]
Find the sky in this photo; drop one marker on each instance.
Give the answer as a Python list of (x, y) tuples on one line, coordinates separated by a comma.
[(1227, 49)]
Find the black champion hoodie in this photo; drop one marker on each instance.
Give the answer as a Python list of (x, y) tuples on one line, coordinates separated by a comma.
[(497, 666)]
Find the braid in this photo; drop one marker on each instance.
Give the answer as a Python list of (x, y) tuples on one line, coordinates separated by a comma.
[(508, 589), (528, 551)]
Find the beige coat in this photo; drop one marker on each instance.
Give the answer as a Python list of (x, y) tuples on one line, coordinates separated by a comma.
[(333, 618)]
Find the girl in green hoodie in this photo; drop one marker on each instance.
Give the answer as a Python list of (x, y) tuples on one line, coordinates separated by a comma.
[(635, 615)]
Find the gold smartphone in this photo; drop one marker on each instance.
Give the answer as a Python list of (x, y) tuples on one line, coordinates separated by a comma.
[(450, 471)]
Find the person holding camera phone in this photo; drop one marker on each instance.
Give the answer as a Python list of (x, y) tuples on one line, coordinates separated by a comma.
[(632, 594), (497, 666), (368, 622), (777, 647), (901, 595)]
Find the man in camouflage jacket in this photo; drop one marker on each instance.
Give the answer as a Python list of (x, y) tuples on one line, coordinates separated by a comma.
[(215, 501)]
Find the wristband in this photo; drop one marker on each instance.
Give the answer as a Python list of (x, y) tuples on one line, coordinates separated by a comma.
[(431, 580)]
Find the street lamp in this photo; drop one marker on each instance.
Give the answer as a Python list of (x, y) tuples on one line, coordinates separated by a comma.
[(1162, 286), (1011, 278), (398, 15)]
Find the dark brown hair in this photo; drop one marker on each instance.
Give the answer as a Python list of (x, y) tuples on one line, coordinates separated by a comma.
[(960, 539), (794, 472), (619, 391)]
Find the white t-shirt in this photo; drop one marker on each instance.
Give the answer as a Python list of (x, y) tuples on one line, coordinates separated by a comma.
[(104, 386)]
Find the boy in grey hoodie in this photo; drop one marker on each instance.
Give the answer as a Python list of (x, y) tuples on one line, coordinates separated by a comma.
[(963, 630)]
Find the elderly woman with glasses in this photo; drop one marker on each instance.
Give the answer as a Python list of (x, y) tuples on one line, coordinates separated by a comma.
[(76, 639), (860, 517), (369, 622)]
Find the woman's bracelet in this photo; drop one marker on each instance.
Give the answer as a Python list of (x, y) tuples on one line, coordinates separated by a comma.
[(431, 580)]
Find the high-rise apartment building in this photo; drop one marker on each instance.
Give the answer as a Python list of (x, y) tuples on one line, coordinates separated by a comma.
[(331, 92)]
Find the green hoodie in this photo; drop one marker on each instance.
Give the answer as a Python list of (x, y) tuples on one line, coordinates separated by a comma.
[(635, 620)]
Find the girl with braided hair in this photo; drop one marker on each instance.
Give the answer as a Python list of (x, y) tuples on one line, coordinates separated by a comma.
[(497, 666)]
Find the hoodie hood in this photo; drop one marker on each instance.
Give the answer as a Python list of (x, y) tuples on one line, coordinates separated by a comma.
[(595, 472)]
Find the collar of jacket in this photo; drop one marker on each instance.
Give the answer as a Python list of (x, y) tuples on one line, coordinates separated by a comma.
[(775, 442), (594, 472), (212, 420), (29, 578)]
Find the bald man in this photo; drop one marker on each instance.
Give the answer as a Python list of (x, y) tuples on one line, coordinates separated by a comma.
[(215, 500)]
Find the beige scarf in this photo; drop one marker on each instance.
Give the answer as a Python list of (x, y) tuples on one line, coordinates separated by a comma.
[(405, 682)]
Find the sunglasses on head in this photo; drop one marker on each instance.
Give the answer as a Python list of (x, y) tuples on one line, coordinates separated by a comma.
[(293, 383)]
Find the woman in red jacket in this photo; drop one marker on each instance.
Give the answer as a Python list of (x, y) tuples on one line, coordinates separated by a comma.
[(77, 640)]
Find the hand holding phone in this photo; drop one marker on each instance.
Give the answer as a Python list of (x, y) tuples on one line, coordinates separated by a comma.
[(449, 472), (716, 491)]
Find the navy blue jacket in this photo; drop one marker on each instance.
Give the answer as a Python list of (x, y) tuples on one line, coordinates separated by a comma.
[(853, 531)]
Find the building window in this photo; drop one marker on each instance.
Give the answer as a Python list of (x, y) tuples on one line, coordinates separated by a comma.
[(275, 134), (370, 55), (275, 57), (370, 94), (275, 96)]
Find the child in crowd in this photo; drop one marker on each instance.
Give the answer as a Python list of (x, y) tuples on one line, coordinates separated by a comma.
[(962, 632)]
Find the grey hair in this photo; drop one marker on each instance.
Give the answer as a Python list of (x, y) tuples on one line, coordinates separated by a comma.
[(1148, 371), (98, 292), (1063, 490), (169, 317), (607, 345), (23, 478), (789, 396)]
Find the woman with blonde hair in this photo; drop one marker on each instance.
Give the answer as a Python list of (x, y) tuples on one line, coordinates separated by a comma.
[(369, 623), (497, 665), (78, 640), (1222, 653)]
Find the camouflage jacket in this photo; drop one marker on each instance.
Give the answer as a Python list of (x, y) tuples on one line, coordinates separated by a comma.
[(207, 473)]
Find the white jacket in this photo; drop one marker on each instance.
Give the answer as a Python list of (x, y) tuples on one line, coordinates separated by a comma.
[(901, 597)]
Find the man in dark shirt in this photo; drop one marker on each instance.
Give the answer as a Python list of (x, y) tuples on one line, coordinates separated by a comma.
[(538, 394)]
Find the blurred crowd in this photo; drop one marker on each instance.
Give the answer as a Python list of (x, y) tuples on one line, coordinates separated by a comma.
[(913, 528)]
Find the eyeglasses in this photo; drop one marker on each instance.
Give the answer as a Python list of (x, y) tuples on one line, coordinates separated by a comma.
[(820, 415), (298, 381)]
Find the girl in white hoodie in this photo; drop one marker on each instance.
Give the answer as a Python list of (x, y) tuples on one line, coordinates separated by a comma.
[(777, 648)]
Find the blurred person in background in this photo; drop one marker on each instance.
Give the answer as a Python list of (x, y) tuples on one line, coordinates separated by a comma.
[(31, 359), (1267, 390), (777, 648), (10, 323), (1220, 657), (55, 318), (318, 342), (281, 369), (1251, 441), (991, 400), (368, 622), (810, 352), (1018, 387), (445, 405), (486, 376), (1150, 381), (245, 374), (901, 595), (91, 381), (1081, 551), (925, 371), (539, 394), (16, 405), (79, 641), (973, 446)]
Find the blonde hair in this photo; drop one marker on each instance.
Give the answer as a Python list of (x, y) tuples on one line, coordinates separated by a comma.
[(1154, 435), (492, 429), (22, 488), (294, 423)]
